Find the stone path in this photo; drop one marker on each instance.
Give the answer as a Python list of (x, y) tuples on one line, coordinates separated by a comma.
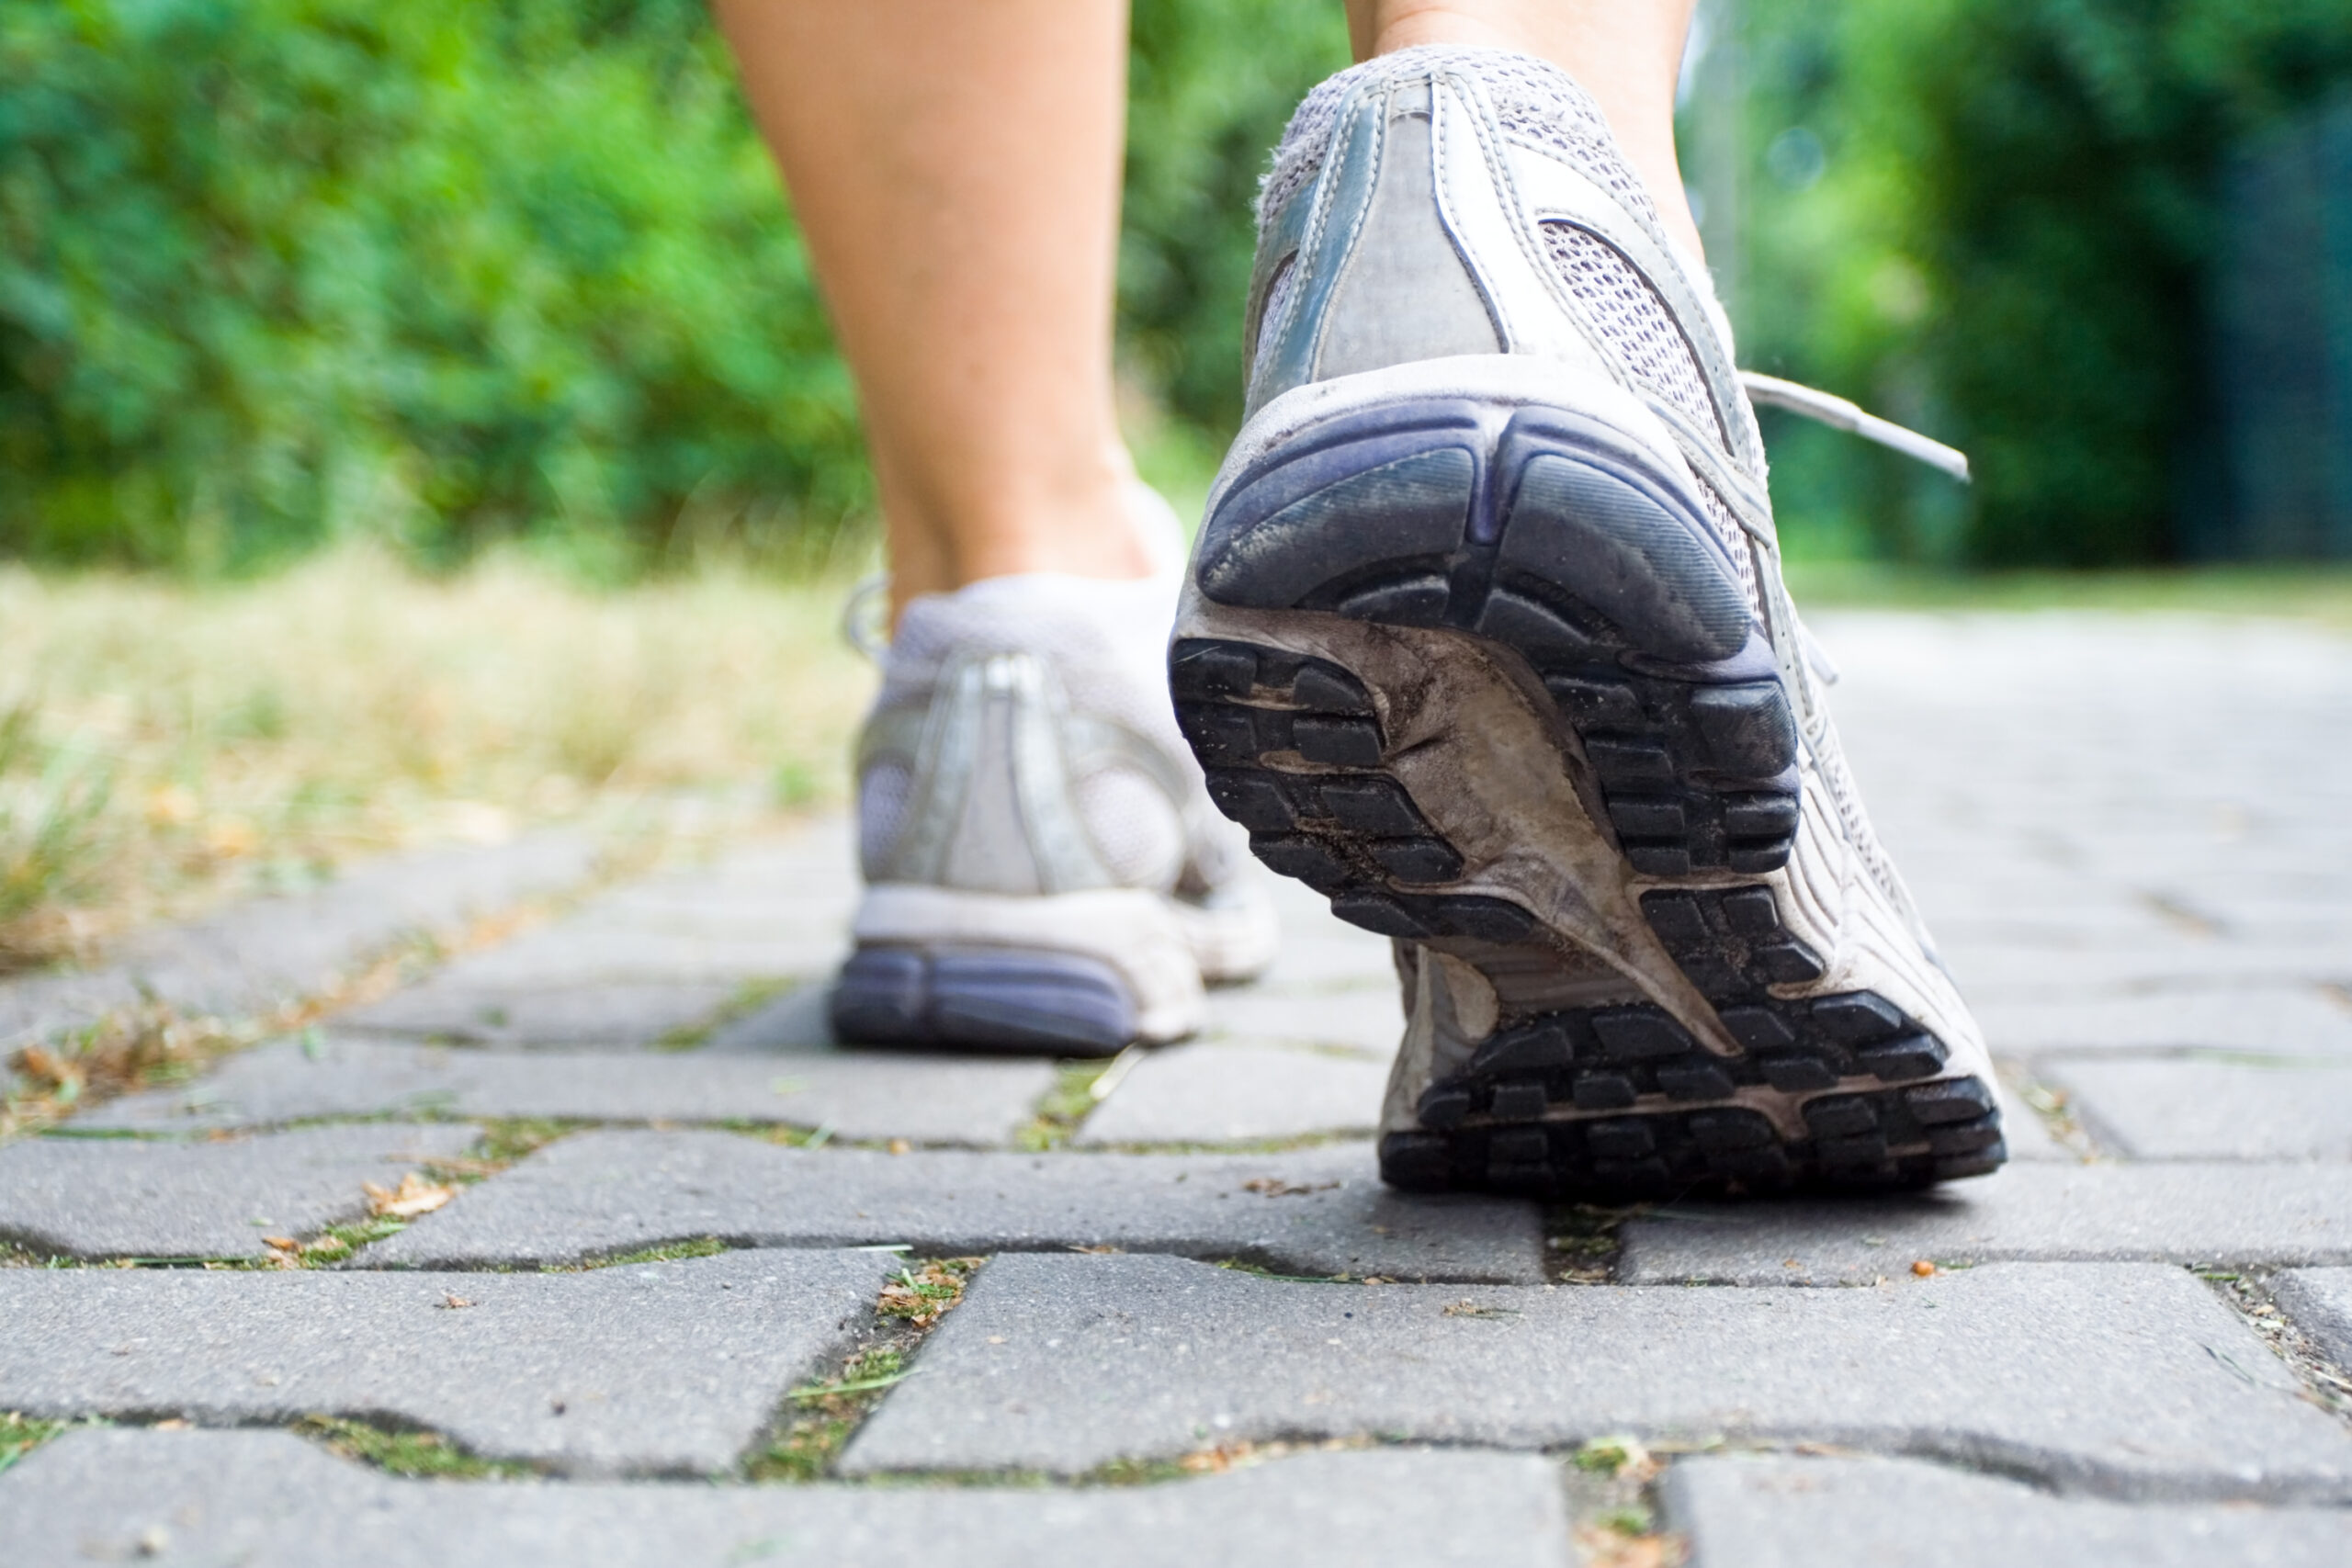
[(658, 1232)]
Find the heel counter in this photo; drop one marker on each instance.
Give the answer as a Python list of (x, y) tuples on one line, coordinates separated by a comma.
[(1360, 272), (991, 807)]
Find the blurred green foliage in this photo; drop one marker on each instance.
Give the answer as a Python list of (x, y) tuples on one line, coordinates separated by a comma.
[(452, 271), (273, 271), (1998, 218), (1210, 85)]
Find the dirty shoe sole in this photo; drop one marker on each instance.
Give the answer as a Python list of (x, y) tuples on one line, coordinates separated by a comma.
[(1472, 663)]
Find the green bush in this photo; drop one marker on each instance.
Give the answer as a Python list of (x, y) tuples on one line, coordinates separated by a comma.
[(450, 271), (273, 271), (1210, 85), (2013, 241)]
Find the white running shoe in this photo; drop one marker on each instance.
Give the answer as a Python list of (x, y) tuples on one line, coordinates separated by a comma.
[(1043, 871), (1486, 638)]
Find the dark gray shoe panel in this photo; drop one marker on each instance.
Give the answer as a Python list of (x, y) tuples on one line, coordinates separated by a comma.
[(999, 999)]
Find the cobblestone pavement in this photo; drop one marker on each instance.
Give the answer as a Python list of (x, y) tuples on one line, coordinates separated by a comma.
[(511, 1266)]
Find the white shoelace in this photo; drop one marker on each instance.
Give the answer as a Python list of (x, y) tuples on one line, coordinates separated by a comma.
[(1839, 415)]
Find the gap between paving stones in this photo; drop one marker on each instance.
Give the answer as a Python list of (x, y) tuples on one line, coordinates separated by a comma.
[(266, 1499), (160, 1015), (1319, 1212)]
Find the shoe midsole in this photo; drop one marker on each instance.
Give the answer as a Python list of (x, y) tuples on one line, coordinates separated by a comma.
[(1137, 932)]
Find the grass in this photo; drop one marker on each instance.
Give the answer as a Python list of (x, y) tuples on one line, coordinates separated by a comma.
[(820, 1417), (425, 1454), (2309, 592), (828, 1413), (165, 745), (20, 1435), (668, 1252), (1063, 1107)]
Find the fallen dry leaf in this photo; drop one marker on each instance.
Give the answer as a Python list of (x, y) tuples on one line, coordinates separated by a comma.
[(899, 1147), (1923, 1268), (283, 1243), (1608, 1548), (453, 1300), (42, 1062), (1272, 1187), (412, 1196)]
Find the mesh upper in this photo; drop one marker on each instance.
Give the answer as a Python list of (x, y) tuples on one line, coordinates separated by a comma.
[(1105, 644), (1620, 305)]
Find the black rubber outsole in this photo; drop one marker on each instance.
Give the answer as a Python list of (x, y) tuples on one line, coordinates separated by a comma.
[(1557, 540)]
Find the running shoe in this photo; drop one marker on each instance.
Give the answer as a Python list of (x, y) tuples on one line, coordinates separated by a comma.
[(1485, 638)]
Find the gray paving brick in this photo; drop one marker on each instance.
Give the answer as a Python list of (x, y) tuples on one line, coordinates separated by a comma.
[(877, 1094), (596, 950), (2272, 1019), (1224, 1094), (2021, 970), (1759, 1511), (2028, 1137), (2231, 1107), (629, 1014), (1367, 1019), (2174, 1213), (263, 951), (141, 1198), (1320, 1210), (668, 1368), (795, 1021), (2319, 1300), (2129, 1377), (269, 1500)]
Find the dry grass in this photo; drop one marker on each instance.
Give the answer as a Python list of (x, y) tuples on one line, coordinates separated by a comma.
[(165, 745)]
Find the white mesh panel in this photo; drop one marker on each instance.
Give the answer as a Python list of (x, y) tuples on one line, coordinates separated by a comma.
[(1735, 540), (1135, 828), (881, 808), (1619, 304)]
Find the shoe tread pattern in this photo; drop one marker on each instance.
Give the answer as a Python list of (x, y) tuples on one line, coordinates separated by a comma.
[(1575, 552)]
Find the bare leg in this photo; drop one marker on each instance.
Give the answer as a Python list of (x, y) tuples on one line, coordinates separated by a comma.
[(1626, 53), (955, 168)]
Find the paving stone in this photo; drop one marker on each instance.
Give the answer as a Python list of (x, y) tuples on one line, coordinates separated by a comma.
[(1224, 1094), (2319, 1300), (796, 1021), (2270, 1019), (861, 1095), (652, 1369), (2174, 1213), (1320, 1210), (267, 950), (1365, 1019), (2027, 1135), (2232, 1108), (2013, 971), (593, 951), (633, 1014), (2129, 1377), (270, 1500), (1759, 1511), (143, 1198)]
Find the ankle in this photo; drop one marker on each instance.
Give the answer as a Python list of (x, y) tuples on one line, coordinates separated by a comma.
[(1119, 531), (1628, 58)]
